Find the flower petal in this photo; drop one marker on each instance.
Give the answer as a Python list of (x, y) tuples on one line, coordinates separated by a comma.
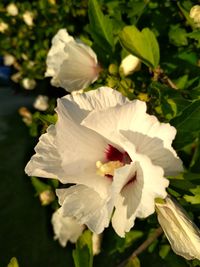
[(46, 162), (65, 228), (181, 232), (86, 206), (79, 105)]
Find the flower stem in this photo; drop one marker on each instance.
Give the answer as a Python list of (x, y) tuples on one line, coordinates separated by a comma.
[(143, 246)]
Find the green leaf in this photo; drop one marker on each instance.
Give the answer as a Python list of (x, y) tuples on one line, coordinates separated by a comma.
[(187, 125), (178, 35), (141, 44), (129, 239), (134, 262), (195, 199), (100, 26), (13, 263), (83, 255)]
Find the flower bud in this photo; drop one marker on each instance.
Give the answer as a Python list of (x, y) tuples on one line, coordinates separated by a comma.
[(28, 18), (129, 65), (195, 15), (12, 9), (3, 26), (28, 84), (8, 59), (46, 197), (181, 232), (41, 103)]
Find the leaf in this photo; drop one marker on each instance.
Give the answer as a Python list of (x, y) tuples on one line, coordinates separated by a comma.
[(178, 35), (13, 263), (100, 26), (164, 250), (193, 199), (187, 125), (134, 262), (83, 255), (129, 239), (141, 44)]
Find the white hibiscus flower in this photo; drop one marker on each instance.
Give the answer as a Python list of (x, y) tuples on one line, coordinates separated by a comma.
[(114, 153), (71, 64), (65, 228), (181, 232)]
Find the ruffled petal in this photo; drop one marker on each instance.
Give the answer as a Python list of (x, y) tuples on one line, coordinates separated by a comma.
[(46, 162), (65, 228), (78, 106), (86, 206)]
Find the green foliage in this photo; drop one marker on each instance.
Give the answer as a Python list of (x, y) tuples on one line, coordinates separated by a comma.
[(83, 255), (100, 27), (141, 44), (134, 262), (195, 199)]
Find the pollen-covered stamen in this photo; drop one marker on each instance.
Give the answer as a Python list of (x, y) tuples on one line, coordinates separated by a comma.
[(113, 154), (108, 168)]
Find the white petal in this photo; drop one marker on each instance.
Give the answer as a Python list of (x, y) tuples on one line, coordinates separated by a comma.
[(130, 64), (149, 136), (182, 234), (80, 149), (153, 147), (154, 185), (120, 222), (136, 198), (79, 105), (65, 228), (86, 206), (46, 162)]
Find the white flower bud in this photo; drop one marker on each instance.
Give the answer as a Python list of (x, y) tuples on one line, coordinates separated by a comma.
[(12, 9), (3, 26), (96, 243), (195, 15), (181, 232), (28, 18), (41, 103), (28, 84), (130, 64), (47, 197), (8, 59), (71, 64)]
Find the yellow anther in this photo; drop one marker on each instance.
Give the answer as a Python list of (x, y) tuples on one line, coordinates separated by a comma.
[(108, 168)]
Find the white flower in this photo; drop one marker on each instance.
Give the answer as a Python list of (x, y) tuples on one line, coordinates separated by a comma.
[(8, 59), (65, 228), (3, 26), (12, 9), (181, 232), (28, 84), (41, 102), (195, 15), (28, 18), (72, 64), (115, 154), (130, 64)]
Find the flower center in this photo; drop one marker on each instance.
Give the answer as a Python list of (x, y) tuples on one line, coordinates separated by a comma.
[(114, 159)]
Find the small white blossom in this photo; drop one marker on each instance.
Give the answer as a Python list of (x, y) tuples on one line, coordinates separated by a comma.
[(65, 228), (16, 77), (71, 64), (181, 232), (41, 103), (12, 9), (3, 26), (130, 64), (115, 154), (28, 84), (195, 15), (28, 18), (8, 59)]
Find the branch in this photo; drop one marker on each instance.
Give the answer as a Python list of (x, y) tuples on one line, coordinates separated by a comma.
[(143, 246)]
